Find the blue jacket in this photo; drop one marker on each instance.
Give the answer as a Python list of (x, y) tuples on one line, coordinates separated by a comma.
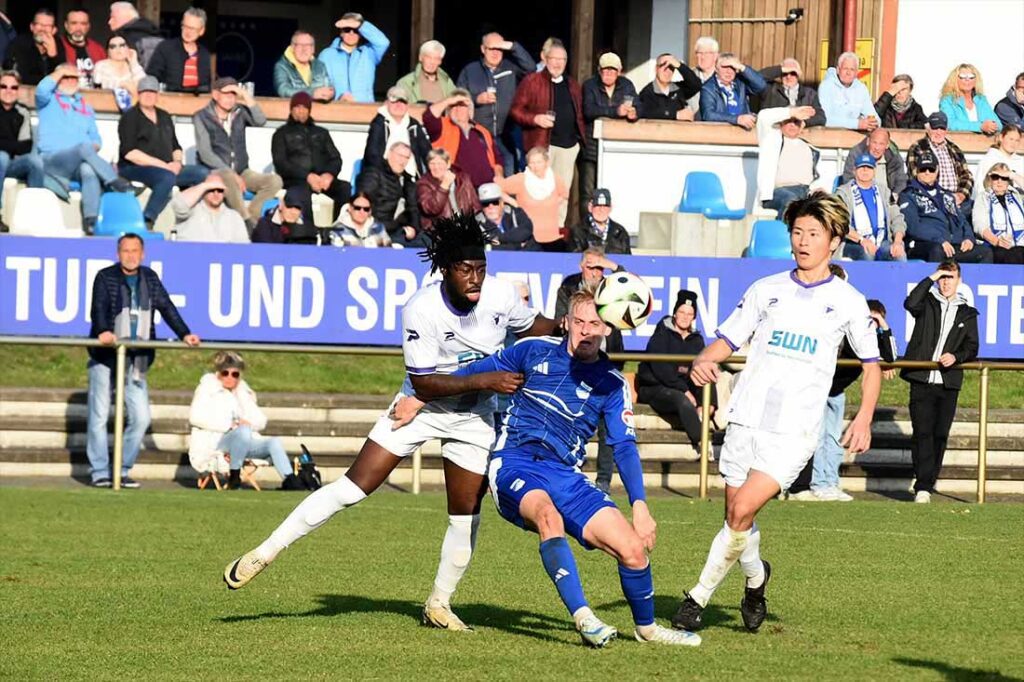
[(64, 122), (287, 80), (933, 219), (712, 103), (1009, 111), (357, 71), (843, 105), (955, 110), (476, 78)]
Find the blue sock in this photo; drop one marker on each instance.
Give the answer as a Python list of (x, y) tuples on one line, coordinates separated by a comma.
[(561, 567), (638, 588)]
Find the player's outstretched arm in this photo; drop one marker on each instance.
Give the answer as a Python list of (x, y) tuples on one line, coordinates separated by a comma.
[(858, 434), (543, 326), (704, 369)]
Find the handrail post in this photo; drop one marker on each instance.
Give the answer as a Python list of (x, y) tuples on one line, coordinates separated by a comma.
[(982, 432), (122, 354), (417, 470), (705, 438)]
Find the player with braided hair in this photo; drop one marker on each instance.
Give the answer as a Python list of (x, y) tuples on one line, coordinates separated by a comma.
[(447, 324)]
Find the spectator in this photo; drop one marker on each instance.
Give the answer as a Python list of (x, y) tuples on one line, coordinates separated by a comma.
[(964, 103), (724, 98), (846, 101), (150, 152), (508, 227), (226, 420), (183, 64), (936, 229), (667, 99), (287, 223), (392, 191), (79, 48), (786, 164), (394, 124), (356, 225), (606, 95), (17, 158), (1010, 109), (125, 298), (896, 107), (876, 225), (549, 107), (220, 146), (790, 92), (451, 127), (352, 66), (666, 386), (34, 54), (68, 143), (945, 331), (442, 192), (201, 216), (954, 174), (119, 72), (428, 82), (540, 193), (592, 266), (890, 170), (706, 52), (306, 159), (142, 35), (999, 216), (1003, 150), (299, 71), (491, 83), (598, 229)]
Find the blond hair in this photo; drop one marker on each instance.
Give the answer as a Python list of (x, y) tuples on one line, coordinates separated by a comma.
[(950, 88), (827, 209), (228, 359), (987, 182)]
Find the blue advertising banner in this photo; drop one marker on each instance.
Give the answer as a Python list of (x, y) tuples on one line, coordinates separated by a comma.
[(305, 294)]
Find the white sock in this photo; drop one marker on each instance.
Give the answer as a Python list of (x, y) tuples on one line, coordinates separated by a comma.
[(750, 560), (312, 512), (456, 551), (582, 613), (726, 548)]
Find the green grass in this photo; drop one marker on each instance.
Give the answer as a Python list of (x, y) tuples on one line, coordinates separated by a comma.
[(103, 585)]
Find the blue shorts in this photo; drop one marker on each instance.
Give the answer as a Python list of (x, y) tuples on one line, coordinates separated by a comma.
[(514, 473)]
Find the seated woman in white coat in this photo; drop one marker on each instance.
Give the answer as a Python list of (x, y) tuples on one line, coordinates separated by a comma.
[(226, 420)]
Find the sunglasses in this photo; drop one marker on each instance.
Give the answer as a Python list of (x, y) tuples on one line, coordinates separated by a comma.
[(233, 373), (927, 169), (995, 177), (794, 74), (397, 99), (349, 29), (492, 202), (356, 207), (966, 76), (666, 65), (215, 191), (8, 87)]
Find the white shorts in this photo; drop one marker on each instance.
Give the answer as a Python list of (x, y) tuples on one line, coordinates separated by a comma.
[(779, 455), (466, 438)]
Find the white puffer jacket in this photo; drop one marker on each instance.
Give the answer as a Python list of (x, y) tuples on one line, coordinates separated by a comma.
[(212, 414)]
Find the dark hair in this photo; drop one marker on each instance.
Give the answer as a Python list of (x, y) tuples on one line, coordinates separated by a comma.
[(76, 8), (837, 270), (949, 265), (130, 235), (46, 12), (361, 195), (1020, 77), (454, 239), (876, 306)]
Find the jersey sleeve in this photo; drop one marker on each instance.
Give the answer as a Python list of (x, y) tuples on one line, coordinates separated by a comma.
[(618, 419), (419, 345), (511, 359), (740, 325), (520, 317), (860, 331)]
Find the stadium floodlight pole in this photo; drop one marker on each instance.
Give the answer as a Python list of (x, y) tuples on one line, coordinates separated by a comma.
[(982, 432), (705, 438), (122, 354)]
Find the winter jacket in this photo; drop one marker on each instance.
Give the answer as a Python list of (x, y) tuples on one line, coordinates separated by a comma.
[(913, 117), (477, 77), (143, 36), (962, 342), (570, 285), (1001, 219), (652, 103), (15, 130), (895, 169), (965, 180), (271, 229), (380, 133), (24, 57), (583, 236), (214, 411), (299, 149), (515, 233), (394, 197), (1010, 111), (110, 295), (843, 105), (666, 339), (534, 96), (93, 49), (712, 103), (597, 104), (7, 36), (167, 65), (847, 374), (927, 222), (345, 232), (287, 80), (411, 83), (355, 72), (435, 202), (993, 156), (775, 96), (955, 109), (64, 121), (476, 153), (896, 221), (215, 149)]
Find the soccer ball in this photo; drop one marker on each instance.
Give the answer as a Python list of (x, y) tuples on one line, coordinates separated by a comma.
[(623, 300)]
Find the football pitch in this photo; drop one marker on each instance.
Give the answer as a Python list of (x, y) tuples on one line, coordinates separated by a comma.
[(102, 585)]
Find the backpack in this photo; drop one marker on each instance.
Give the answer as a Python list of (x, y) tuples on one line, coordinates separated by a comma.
[(308, 474)]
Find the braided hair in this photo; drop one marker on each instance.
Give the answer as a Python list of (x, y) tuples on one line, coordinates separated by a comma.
[(454, 239)]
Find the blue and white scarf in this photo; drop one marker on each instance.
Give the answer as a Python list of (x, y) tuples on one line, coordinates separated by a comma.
[(862, 221), (1006, 220)]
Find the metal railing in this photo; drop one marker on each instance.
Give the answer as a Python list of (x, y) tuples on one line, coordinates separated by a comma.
[(121, 353)]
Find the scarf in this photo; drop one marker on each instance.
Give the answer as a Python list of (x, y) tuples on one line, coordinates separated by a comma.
[(902, 108), (1006, 219), (143, 323), (398, 131), (861, 221), (600, 232), (305, 70), (539, 188), (728, 92), (72, 103)]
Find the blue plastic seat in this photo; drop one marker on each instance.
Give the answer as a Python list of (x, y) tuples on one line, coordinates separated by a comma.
[(702, 193), (835, 183), (119, 213), (769, 239), (357, 167), (269, 206)]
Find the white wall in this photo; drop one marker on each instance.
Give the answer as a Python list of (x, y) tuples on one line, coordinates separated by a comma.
[(933, 36)]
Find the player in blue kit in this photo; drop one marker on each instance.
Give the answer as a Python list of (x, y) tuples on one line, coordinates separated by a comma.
[(569, 385)]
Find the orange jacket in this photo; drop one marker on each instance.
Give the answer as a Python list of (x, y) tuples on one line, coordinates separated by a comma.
[(451, 137)]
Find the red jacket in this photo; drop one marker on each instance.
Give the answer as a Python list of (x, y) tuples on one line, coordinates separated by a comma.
[(95, 51), (534, 96), (434, 202)]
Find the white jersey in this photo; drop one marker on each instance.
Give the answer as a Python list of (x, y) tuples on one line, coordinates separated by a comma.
[(438, 338), (795, 331)]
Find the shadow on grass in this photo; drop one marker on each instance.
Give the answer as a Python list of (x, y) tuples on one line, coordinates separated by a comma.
[(953, 672), (513, 621), (714, 616)]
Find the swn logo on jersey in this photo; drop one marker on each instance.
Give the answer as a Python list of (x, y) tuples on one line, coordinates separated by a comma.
[(800, 343), (413, 335), (542, 368)]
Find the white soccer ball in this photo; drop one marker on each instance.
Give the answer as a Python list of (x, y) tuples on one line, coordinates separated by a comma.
[(623, 300)]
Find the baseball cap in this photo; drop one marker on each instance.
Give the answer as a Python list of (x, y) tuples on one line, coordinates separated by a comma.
[(610, 60), (149, 84), (601, 197), (938, 120), (488, 192), (224, 82), (396, 93), (301, 99), (295, 197), (865, 160), (926, 160)]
